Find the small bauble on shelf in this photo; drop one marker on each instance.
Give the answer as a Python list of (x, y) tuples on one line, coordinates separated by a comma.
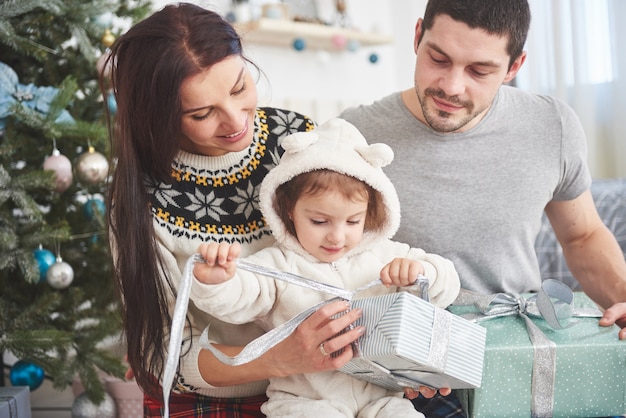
[(60, 275), (339, 41), (353, 45), (62, 166), (26, 373), (92, 167), (45, 258), (85, 408), (299, 44)]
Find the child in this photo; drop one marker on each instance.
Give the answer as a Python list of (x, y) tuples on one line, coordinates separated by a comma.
[(332, 211)]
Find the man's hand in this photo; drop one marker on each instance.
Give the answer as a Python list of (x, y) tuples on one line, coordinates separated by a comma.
[(616, 314), (426, 391)]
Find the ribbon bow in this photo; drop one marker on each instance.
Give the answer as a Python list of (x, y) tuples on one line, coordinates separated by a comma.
[(12, 93), (552, 303)]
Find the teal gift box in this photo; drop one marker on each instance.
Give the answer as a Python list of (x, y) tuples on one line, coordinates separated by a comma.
[(409, 342), (590, 373)]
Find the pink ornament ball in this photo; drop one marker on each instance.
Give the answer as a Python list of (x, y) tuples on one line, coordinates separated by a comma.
[(339, 41), (62, 166)]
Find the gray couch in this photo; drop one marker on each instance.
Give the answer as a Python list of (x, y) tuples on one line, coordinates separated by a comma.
[(610, 198)]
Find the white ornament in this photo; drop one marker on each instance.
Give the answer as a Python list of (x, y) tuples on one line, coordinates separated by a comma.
[(84, 408), (60, 274), (92, 167)]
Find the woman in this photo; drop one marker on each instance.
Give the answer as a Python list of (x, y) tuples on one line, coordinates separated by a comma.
[(191, 149)]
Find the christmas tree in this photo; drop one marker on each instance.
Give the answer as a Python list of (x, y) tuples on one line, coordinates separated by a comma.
[(58, 305)]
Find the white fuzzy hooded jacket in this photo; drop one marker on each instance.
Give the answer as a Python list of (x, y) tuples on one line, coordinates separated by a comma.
[(335, 145), (338, 146)]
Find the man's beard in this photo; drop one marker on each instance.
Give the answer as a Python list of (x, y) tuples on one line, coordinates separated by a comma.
[(442, 121)]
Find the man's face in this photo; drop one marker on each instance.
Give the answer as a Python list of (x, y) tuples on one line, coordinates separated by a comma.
[(458, 72)]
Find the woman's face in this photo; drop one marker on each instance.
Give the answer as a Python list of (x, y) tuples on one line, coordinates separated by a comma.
[(218, 106)]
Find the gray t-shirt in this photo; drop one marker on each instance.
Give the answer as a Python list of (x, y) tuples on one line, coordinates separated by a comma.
[(477, 197)]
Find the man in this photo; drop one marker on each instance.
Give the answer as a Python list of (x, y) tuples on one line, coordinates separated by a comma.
[(477, 162)]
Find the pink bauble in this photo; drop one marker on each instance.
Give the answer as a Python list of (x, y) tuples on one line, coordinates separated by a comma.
[(62, 166), (339, 41)]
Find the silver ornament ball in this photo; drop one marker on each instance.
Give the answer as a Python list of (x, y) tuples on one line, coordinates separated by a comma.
[(60, 274), (84, 408), (92, 167)]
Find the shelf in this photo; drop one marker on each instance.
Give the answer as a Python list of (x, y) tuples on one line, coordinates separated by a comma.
[(282, 32)]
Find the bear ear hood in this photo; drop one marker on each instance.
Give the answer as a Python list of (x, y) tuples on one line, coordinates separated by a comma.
[(338, 146)]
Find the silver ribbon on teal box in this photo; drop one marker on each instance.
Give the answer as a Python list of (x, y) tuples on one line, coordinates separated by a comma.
[(550, 312)]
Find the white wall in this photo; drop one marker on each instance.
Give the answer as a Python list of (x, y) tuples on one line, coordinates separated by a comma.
[(300, 79)]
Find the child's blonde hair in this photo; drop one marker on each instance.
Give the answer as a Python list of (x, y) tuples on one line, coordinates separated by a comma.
[(320, 181)]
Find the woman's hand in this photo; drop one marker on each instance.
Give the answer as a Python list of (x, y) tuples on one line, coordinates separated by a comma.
[(426, 391), (296, 354), (309, 348), (616, 314)]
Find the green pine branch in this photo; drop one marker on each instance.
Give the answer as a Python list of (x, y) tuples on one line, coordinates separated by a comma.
[(73, 331)]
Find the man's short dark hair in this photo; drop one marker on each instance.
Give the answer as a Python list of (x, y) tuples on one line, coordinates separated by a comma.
[(509, 18)]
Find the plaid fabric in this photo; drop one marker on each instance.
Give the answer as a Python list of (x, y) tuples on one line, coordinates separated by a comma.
[(440, 406), (193, 405)]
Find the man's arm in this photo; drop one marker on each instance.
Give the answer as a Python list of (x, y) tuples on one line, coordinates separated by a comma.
[(592, 253)]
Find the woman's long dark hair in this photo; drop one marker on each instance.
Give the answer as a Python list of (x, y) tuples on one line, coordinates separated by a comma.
[(147, 66)]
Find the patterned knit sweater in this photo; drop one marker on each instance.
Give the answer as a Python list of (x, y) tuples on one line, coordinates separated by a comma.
[(216, 199)]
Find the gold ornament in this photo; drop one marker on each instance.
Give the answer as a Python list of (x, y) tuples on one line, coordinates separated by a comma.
[(108, 38), (92, 167)]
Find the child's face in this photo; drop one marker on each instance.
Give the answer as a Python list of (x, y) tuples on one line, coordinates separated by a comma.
[(328, 225)]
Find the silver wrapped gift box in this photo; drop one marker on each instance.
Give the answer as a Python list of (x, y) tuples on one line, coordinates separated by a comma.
[(409, 342)]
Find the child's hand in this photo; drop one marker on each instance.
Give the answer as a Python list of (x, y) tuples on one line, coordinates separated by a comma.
[(219, 265), (401, 272)]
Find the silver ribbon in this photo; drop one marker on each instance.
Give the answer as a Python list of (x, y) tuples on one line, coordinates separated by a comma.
[(421, 283), (553, 303), (260, 345), (257, 347), (438, 354), (176, 334)]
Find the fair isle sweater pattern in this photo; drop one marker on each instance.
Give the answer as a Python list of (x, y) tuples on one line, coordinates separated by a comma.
[(223, 204)]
